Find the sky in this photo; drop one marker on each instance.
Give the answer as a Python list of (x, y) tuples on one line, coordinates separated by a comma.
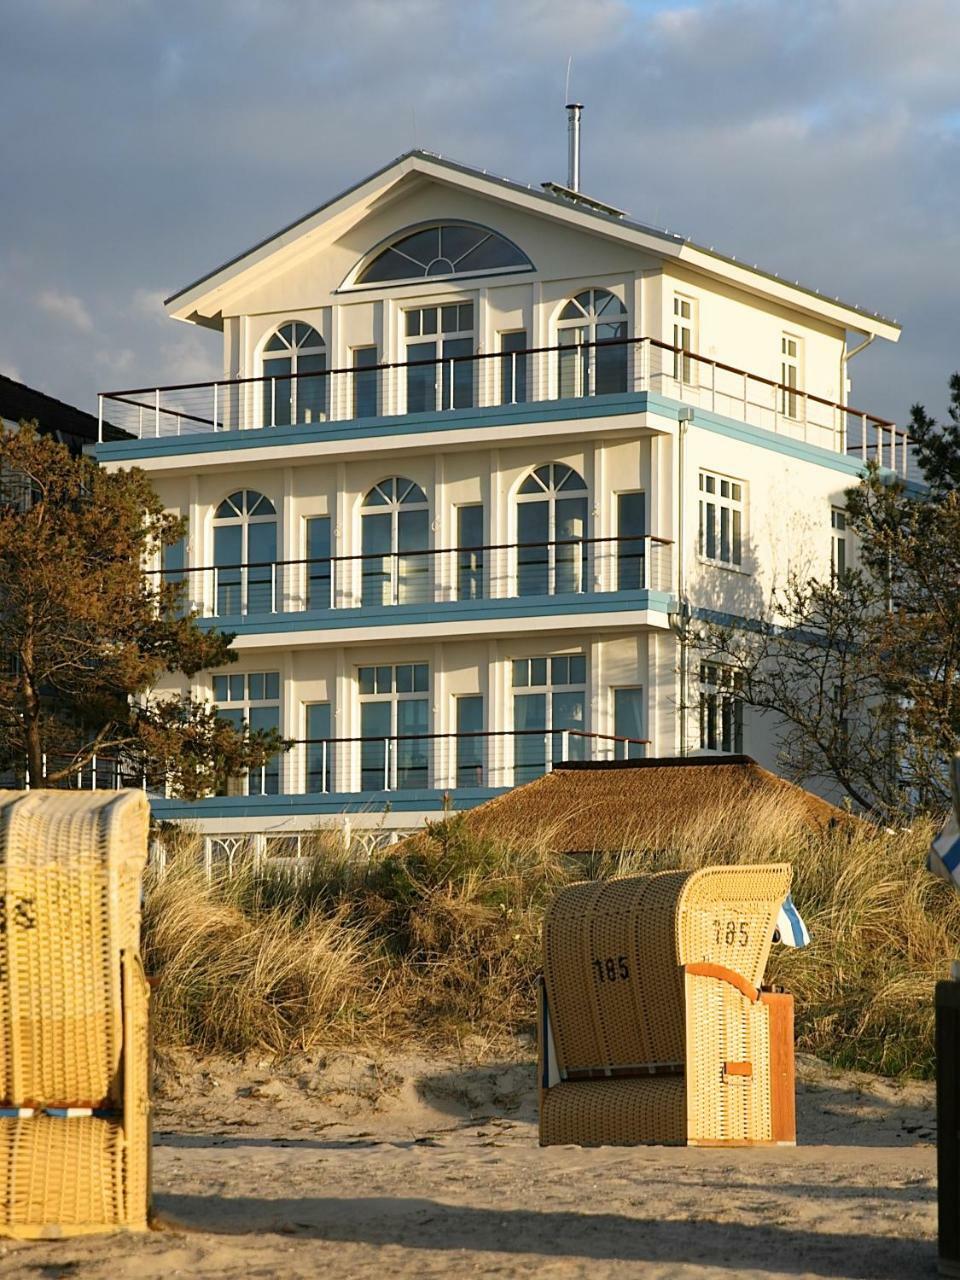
[(144, 142)]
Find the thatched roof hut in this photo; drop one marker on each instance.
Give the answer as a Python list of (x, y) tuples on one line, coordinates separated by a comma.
[(608, 807)]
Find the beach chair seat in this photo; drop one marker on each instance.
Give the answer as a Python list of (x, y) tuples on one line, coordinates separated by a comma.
[(652, 1025), (74, 1070)]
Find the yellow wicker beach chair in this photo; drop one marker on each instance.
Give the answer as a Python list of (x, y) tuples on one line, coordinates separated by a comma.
[(653, 1027), (74, 1108)]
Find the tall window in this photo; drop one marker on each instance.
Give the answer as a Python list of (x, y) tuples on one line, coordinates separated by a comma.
[(591, 334), (551, 529), (790, 351), (631, 527), (440, 364), (366, 383), (549, 696), (513, 367), (470, 741), (173, 567), (319, 748), (447, 249), (319, 563), (684, 310), (395, 534), (470, 552), (838, 543), (721, 709), (721, 519), (244, 554), (394, 719), (628, 722), (294, 370), (252, 700)]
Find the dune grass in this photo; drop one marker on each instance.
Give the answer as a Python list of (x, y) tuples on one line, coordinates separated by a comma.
[(440, 938)]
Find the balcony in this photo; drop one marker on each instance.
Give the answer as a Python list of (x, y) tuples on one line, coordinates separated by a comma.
[(378, 767), (433, 585), (504, 381)]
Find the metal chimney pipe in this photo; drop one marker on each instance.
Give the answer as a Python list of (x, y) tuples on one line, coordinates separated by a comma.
[(573, 145)]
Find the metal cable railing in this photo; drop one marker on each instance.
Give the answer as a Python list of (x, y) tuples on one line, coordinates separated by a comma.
[(486, 380), (563, 566), (378, 763)]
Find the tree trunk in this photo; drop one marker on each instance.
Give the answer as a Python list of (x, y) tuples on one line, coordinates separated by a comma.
[(31, 718)]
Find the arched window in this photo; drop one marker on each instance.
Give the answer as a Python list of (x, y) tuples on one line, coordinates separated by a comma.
[(244, 554), (551, 528), (597, 318), (445, 249), (294, 371), (395, 532)]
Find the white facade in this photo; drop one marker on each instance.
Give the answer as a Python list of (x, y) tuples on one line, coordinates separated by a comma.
[(464, 531)]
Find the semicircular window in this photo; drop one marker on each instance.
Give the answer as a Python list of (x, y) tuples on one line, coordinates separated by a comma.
[(447, 249)]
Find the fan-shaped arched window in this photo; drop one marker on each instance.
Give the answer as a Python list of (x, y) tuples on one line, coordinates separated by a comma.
[(395, 532), (446, 249), (244, 554), (295, 381), (551, 528), (591, 334)]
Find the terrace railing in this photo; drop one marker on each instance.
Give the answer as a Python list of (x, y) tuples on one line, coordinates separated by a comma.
[(497, 379), (395, 762), (578, 566)]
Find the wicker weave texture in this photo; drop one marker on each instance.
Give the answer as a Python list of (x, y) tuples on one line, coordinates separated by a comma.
[(723, 1026), (618, 999), (595, 1113), (726, 915), (74, 1010), (611, 969)]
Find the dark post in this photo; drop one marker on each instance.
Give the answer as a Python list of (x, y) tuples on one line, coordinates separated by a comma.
[(948, 1125)]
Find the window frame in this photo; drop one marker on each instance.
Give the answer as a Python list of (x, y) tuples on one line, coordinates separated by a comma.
[(293, 352), (685, 336), (354, 280), (245, 705), (736, 506), (391, 766), (839, 540), (790, 391), (720, 700)]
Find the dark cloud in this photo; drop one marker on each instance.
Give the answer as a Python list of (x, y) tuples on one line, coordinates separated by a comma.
[(145, 141)]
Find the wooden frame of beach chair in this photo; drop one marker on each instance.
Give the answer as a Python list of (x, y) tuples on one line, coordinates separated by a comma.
[(652, 1025), (74, 1052)]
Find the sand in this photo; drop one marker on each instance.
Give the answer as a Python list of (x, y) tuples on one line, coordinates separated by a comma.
[(350, 1165)]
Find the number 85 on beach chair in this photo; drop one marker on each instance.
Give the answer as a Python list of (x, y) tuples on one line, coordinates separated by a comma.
[(653, 1024)]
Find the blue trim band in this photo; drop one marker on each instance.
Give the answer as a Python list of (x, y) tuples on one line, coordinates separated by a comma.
[(439, 422), (447, 611), (331, 804)]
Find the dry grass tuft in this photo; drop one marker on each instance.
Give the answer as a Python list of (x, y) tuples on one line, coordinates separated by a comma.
[(441, 937)]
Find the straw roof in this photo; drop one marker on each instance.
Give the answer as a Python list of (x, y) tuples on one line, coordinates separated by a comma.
[(606, 807)]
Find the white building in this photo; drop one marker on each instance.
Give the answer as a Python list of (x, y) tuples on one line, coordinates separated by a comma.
[(473, 445)]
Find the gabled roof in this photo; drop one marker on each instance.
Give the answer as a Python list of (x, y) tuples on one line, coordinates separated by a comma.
[(197, 302), (70, 425)]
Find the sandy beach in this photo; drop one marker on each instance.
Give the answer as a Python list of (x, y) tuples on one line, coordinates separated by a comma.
[(351, 1166)]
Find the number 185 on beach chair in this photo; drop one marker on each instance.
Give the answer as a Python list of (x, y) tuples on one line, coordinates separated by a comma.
[(653, 1025)]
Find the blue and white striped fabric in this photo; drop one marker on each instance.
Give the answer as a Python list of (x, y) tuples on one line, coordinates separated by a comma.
[(791, 930), (944, 857)]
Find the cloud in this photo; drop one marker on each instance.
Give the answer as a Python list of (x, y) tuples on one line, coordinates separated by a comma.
[(66, 307), (826, 149)]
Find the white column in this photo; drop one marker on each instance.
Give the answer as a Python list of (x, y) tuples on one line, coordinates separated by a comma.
[(342, 542), (498, 530), (596, 708), (289, 588), (291, 726), (442, 753), (443, 575), (344, 757), (196, 546)]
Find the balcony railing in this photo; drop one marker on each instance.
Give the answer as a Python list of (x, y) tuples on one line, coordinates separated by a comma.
[(394, 763), (491, 379), (577, 566)]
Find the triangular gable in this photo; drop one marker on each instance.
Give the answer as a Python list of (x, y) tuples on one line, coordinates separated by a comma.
[(202, 301)]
